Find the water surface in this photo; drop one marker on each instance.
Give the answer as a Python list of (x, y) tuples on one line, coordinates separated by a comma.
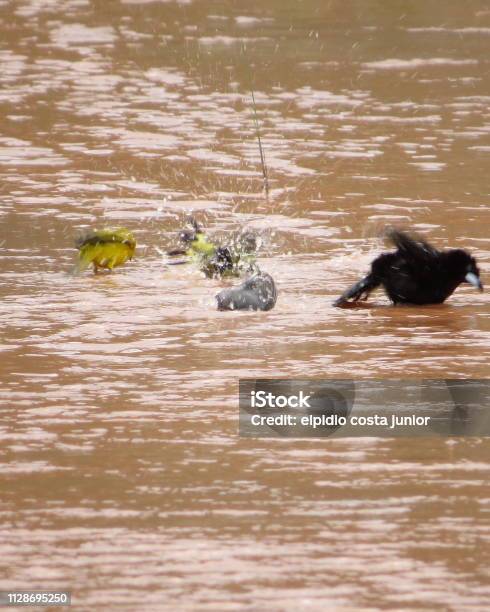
[(123, 478)]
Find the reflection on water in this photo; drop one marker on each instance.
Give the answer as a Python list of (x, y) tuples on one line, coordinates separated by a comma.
[(123, 477)]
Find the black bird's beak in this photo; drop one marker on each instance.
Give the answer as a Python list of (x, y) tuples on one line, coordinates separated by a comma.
[(473, 279)]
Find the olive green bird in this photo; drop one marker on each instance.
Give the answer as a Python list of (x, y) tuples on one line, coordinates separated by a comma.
[(213, 260), (105, 248), (195, 243)]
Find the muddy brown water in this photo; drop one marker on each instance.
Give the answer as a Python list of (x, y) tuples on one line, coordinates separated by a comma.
[(123, 478)]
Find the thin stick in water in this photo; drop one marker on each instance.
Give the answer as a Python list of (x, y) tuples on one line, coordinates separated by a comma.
[(262, 156)]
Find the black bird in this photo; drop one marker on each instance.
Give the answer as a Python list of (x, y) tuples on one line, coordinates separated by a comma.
[(416, 273), (256, 293)]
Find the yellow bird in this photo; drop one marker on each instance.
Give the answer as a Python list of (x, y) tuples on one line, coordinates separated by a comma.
[(106, 248)]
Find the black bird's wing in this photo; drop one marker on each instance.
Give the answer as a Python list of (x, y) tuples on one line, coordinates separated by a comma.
[(413, 273), (413, 248)]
